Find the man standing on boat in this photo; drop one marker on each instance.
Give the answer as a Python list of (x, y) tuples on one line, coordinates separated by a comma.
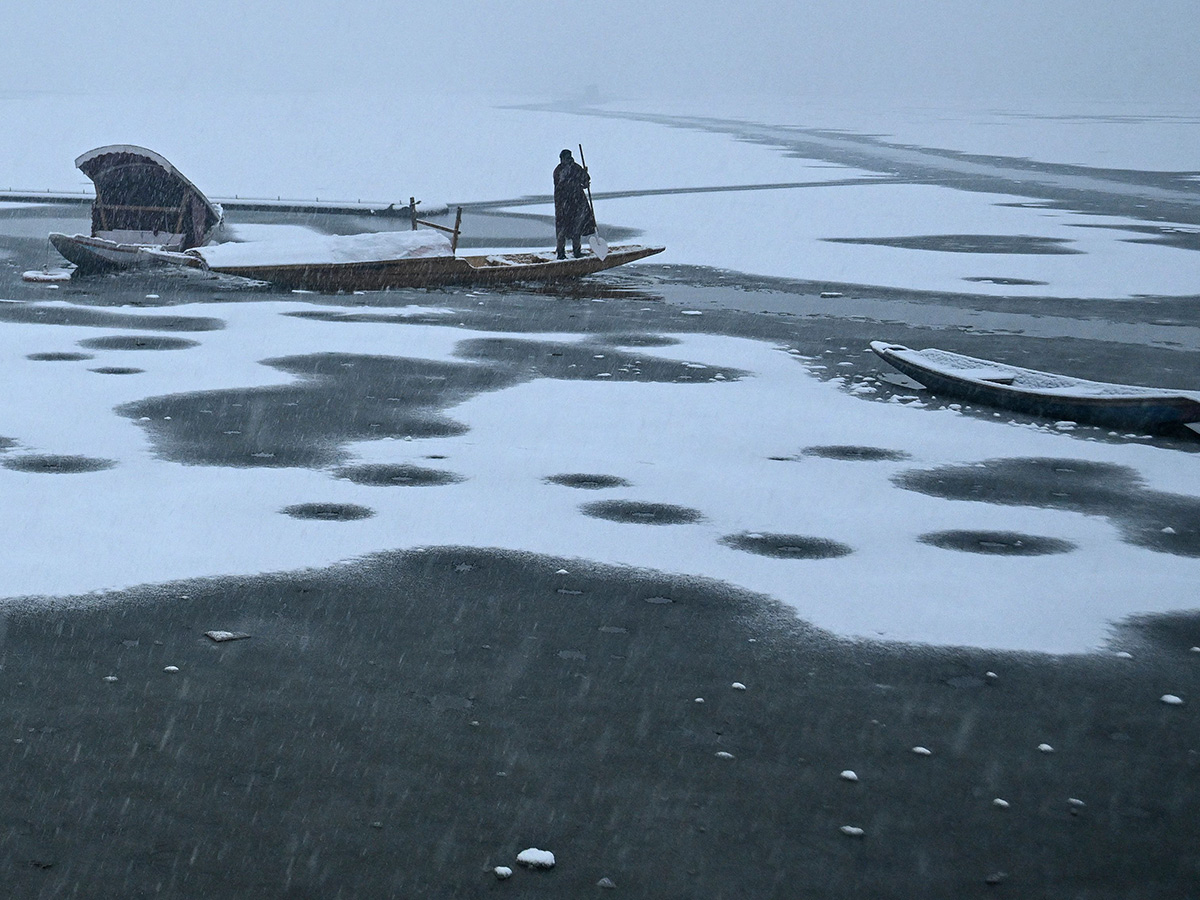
[(573, 216)]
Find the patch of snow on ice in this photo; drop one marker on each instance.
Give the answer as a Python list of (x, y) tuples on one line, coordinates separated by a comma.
[(536, 859)]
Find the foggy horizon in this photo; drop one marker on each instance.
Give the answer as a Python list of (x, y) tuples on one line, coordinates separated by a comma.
[(941, 52)]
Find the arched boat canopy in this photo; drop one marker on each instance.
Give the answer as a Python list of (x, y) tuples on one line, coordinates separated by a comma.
[(142, 198)]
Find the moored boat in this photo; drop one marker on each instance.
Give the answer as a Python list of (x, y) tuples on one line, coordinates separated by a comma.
[(405, 259), (1045, 394)]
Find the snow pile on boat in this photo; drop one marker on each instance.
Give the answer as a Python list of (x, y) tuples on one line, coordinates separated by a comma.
[(323, 249)]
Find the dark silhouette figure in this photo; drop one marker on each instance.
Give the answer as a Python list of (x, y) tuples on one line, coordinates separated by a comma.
[(572, 213)]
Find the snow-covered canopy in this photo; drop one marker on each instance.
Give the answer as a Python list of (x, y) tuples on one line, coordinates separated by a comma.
[(138, 190)]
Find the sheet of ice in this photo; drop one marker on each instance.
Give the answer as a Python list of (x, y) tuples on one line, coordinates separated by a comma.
[(1143, 136), (667, 440), (364, 148), (320, 249), (794, 225), (783, 229)]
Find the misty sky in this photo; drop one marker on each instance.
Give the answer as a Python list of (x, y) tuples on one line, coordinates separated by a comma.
[(912, 51)]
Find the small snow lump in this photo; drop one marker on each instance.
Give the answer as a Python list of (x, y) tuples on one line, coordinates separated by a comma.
[(536, 859)]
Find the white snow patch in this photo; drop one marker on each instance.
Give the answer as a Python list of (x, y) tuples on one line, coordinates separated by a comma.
[(327, 248), (536, 859), (253, 231), (223, 636), (666, 439)]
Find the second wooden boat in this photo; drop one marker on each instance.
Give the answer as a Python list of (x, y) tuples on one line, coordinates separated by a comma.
[(1045, 394)]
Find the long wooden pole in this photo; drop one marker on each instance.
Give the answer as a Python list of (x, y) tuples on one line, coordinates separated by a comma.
[(591, 207)]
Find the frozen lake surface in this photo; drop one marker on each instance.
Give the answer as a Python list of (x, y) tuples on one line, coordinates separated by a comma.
[(668, 547), (674, 417)]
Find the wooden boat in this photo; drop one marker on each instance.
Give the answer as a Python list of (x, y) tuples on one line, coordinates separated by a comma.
[(1045, 394), (417, 271), (141, 201)]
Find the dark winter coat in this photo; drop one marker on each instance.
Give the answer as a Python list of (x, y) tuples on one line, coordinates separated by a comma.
[(572, 212)]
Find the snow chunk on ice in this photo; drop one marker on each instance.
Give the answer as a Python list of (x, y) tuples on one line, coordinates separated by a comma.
[(1000, 804), (922, 751), (1171, 700), (738, 686), (502, 872), (851, 830), (1045, 748), (536, 859), (47, 276), (171, 670), (326, 248), (849, 775), (222, 636), (723, 754)]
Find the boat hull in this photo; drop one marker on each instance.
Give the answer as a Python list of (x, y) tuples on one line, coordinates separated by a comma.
[(90, 254), (436, 271), (1151, 411)]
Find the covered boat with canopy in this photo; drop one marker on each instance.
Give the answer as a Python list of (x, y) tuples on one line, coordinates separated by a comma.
[(142, 201)]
